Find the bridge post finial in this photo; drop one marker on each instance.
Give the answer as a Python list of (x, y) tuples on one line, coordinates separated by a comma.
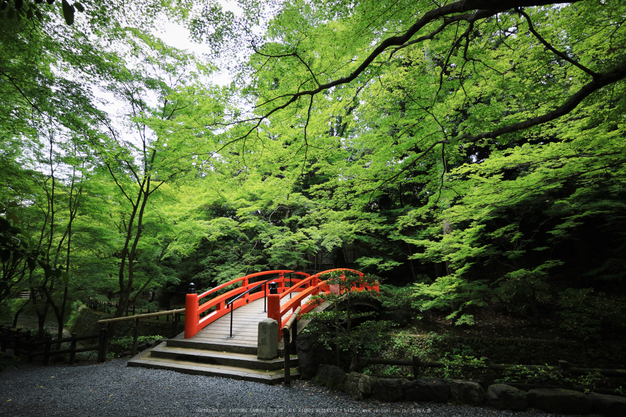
[(273, 288), (192, 288)]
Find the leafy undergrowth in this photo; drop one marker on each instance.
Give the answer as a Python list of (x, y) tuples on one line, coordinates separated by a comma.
[(465, 351), (489, 324)]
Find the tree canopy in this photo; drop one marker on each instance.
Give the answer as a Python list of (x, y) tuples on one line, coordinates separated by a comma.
[(470, 149)]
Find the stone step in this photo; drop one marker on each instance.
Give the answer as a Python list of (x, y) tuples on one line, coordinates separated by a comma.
[(240, 360), (235, 346), (214, 363)]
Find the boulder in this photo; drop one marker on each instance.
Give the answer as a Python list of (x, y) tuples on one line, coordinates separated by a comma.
[(559, 401), (358, 386), (608, 405), (388, 389), (466, 392), (331, 376), (433, 389), (310, 356), (506, 397)]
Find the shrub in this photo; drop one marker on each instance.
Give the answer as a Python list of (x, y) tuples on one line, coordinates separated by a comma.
[(586, 315), (122, 345)]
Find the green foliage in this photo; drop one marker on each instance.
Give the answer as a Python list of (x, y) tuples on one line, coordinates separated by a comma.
[(393, 297), (75, 310), (404, 345), (451, 292), (408, 138), (342, 326), (539, 375), (122, 345), (380, 263), (19, 256), (85, 321), (590, 381), (462, 366), (29, 9), (392, 370), (446, 148), (546, 375), (587, 315)]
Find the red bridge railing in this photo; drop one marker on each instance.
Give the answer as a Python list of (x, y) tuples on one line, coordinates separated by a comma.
[(310, 286), (217, 306), (299, 288)]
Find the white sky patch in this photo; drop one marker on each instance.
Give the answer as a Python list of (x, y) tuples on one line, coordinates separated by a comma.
[(179, 37)]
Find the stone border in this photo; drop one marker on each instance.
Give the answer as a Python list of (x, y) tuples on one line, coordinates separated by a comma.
[(500, 396)]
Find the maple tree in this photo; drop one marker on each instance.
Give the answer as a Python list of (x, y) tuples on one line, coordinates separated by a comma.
[(472, 149)]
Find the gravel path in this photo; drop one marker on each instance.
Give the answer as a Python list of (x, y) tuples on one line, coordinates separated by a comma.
[(115, 390)]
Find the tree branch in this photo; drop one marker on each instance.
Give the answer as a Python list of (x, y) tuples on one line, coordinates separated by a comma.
[(601, 80), (553, 49), (33, 105), (483, 8)]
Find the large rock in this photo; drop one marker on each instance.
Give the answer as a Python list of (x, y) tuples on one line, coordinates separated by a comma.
[(388, 389), (506, 397), (358, 386), (466, 392), (331, 376), (608, 405), (310, 355), (560, 401), (434, 389)]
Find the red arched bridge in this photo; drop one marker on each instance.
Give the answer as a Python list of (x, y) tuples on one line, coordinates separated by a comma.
[(221, 325), (292, 290)]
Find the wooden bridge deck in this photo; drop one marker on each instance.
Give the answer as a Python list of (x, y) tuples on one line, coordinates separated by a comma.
[(245, 326)]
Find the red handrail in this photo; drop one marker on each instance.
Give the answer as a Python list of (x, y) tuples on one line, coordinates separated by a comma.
[(308, 285), (193, 308), (315, 288)]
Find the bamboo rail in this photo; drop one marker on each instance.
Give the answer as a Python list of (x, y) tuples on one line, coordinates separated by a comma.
[(176, 313)]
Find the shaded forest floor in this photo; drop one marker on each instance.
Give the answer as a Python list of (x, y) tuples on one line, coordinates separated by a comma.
[(504, 338), (496, 324), (491, 324)]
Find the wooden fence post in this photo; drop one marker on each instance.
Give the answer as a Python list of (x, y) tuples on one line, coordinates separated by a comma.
[(135, 336), (73, 349), (103, 344), (46, 352), (175, 321), (29, 359), (18, 343), (287, 356), (5, 340), (416, 366)]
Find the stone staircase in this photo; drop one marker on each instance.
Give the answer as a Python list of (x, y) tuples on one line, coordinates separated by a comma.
[(232, 360)]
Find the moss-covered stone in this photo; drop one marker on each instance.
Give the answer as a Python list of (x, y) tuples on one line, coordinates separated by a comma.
[(331, 376), (359, 386), (560, 401), (506, 397), (389, 389), (466, 392), (427, 389)]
